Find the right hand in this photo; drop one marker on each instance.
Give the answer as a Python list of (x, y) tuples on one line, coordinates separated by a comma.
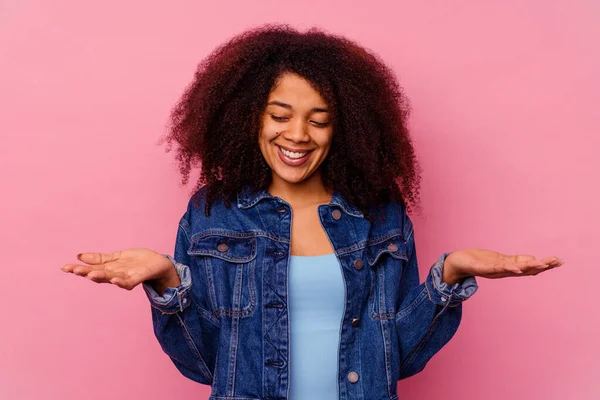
[(126, 268)]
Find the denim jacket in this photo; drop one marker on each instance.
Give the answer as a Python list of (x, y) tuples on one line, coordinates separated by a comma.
[(227, 324)]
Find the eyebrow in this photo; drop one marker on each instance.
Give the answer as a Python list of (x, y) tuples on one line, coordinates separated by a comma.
[(289, 107)]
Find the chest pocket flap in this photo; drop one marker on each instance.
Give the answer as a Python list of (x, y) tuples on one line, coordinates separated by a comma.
[(392, 245), (229, 248), (228, 262), (386, 256)]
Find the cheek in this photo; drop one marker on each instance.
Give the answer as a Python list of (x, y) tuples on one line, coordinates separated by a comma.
[(262, 143), (268, 132), (325, 140), (265, 136)]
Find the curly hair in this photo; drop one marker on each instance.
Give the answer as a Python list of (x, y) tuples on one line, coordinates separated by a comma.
[(217, 120)]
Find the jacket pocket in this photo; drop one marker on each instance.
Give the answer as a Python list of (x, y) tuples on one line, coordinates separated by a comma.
[(229, 263), (386, 257)]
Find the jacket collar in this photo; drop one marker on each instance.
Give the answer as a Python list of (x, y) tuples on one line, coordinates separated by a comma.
[(247, 198)]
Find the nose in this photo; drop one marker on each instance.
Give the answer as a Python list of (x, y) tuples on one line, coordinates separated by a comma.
[(298, 131)]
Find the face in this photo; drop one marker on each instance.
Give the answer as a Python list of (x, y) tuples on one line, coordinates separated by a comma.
[(296, 131)]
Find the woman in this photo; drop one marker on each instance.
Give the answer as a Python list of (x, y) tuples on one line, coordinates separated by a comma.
[(295, 272)]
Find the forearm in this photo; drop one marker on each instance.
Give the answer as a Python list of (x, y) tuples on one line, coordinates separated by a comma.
[(424, 333), (185, 331), (429, 315)]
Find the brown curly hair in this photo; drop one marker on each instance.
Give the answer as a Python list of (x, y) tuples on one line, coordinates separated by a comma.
[(218, 118)]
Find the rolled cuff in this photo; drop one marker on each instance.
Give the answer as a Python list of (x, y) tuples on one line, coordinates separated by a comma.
[(443, 294), (173, 299)]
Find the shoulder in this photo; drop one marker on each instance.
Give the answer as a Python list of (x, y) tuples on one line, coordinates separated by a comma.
[(393, 211), (197, 203), (222, 216), (392, 216)]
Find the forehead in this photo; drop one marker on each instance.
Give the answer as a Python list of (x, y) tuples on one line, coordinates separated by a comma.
[(291, 87)]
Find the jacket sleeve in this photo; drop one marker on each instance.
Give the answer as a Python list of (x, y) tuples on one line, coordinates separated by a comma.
[(430, 312), (186, 332)]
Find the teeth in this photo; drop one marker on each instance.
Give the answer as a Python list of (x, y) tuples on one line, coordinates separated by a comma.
[(291, 154)]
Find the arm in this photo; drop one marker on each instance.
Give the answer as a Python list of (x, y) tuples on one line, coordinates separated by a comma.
[(430, 312), (185, 331)]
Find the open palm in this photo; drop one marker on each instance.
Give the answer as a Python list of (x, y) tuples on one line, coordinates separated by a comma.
[(492, 264), (126, 268)]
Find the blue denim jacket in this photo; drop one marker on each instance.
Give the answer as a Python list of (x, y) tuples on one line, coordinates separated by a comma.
[(227, 324)]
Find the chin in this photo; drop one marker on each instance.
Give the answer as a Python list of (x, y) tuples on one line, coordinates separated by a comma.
[(290, 179)]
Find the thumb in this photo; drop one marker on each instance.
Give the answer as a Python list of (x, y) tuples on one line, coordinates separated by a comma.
[(97, 258)]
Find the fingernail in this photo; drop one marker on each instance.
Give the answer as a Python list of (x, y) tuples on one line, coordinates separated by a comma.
[(517, 271)]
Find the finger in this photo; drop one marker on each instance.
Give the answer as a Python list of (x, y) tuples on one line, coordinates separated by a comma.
[(502, 274), (558, 263), (520, 260), (497, 266), (545, 267), (531, 271), (98, 258), (100, 267), (538, 270), (494, 255), (493, 262), (531, 263), (509, 258), (129, 282), (86, 269), (69, 267), (552, 260), (513, 263), (517, 257), (81, 270), (79, 267), (105, 276), (534, 271)]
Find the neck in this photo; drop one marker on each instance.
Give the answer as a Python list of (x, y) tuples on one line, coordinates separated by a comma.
[(306, 193)]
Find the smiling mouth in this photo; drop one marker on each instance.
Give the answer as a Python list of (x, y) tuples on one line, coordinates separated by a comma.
[(293, 158), (293, 154)]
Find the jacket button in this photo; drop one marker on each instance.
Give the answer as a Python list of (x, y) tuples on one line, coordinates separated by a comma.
[(392, 247), (353, 377), (355, 322), (222, 247), (336, 214), (358, 264)]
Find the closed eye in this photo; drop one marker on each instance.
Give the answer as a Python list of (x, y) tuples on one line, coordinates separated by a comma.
[(278, 119), (284, 119)]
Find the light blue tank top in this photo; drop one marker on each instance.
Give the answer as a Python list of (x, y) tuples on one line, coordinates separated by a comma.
[(316, 307)]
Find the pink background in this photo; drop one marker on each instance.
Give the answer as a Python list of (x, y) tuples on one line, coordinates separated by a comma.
[(505, 98)]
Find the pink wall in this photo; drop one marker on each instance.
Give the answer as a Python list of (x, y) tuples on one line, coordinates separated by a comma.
[(505, 98)]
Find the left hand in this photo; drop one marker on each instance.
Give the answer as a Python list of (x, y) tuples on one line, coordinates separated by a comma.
[(491, 264)]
